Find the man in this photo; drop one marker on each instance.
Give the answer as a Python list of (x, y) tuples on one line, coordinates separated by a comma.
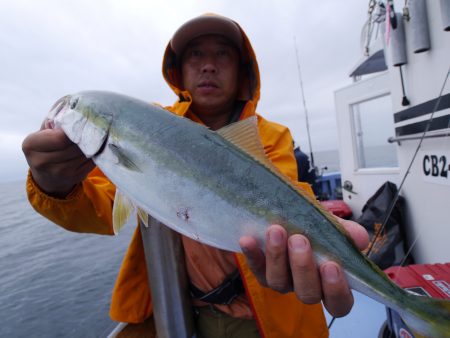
[(210, 64), (305, 172)]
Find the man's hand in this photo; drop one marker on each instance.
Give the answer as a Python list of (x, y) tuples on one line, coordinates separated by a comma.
[(56, 163), (289, 265)]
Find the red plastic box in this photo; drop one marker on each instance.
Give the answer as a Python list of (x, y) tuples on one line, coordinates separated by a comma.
[(432, 280), (338, 208)]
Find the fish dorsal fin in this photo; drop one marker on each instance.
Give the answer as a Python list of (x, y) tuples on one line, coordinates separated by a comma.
[(122, 210), (245, 135)]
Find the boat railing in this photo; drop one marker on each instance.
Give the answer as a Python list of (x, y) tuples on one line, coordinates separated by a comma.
[(400, 139)]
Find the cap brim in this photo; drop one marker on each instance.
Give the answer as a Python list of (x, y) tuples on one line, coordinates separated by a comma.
[(206, 25)]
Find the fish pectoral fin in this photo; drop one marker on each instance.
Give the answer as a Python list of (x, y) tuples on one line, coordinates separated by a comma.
[(122, 210), (143, 216), (123, 158)]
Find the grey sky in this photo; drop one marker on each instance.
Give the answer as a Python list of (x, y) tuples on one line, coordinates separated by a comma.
[(52, 48)]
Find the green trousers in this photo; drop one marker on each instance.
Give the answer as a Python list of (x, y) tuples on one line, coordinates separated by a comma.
[(212, 323)]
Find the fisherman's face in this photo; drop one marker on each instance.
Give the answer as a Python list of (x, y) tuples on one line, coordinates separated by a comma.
[(210, 69)]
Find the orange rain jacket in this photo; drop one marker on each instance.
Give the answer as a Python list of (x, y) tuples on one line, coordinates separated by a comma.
[(89, 209)]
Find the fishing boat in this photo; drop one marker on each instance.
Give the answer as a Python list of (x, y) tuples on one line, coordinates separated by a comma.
[(393, 120)]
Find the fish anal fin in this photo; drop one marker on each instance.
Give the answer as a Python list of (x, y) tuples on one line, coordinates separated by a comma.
[(143, 216), (122, 210)]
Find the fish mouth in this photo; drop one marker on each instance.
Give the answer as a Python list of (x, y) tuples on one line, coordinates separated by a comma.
[(58, 106)]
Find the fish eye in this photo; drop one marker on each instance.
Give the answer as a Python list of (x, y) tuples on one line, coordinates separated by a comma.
[(73, 104)]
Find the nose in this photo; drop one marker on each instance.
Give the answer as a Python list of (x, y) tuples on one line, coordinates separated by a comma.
[(209, 65)]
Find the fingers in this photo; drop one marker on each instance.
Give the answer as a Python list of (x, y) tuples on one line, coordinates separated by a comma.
[(278, 274), (50, 146), (305, 275), (41, 159), (313, 284), (255, 258), (46, 140), (289, 265), (337, 297), (357, 232), (56, 163)]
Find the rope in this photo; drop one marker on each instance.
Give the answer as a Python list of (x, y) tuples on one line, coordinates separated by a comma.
[(368, 27), (372, 5)]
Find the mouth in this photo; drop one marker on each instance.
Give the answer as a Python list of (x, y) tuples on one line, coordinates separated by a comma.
[(207, 84)]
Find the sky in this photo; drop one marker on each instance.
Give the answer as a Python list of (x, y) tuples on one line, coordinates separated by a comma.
[(51, 48)]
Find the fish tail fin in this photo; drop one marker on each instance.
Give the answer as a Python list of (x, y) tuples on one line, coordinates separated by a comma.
[(427, 317)]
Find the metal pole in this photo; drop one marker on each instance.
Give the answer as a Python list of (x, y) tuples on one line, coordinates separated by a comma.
[(164, 255), (304, 105)]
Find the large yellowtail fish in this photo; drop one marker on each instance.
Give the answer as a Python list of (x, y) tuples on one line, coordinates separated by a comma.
[(218, 186)]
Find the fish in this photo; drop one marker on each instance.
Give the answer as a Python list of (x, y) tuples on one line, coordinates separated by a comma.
[(217, 186)]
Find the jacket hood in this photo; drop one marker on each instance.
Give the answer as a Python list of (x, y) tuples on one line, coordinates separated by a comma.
[(249, 89)]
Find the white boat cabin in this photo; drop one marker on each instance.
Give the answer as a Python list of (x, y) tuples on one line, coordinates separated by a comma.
[(398, 86)]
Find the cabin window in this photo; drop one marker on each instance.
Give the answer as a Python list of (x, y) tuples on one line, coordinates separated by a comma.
[(373, 124)]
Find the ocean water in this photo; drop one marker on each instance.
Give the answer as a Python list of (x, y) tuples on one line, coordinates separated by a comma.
[(326, 161), (53, 283)]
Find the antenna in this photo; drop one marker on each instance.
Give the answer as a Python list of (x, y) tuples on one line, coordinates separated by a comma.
[(304, 104)]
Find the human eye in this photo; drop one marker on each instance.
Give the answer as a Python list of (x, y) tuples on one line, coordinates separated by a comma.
[(195, 53), (192, 55), (223, 52)]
